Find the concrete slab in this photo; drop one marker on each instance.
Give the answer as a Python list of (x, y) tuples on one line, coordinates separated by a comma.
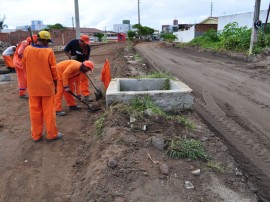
[(178, 97)]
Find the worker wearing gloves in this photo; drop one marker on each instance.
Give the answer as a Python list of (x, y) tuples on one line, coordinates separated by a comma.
[(17, 61), (39, 63), (79, 49), (8, 58), (69, 78)]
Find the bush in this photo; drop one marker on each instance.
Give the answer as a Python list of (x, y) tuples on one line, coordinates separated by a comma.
[(233, 37), (168, 37)]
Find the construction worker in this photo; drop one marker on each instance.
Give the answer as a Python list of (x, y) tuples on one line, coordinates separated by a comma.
[(69, 72), (8, 58), (17, 61), (39, 63), (79, 49)]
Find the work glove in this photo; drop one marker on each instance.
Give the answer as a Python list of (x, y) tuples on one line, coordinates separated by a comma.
[(79, 97), (66, 89)]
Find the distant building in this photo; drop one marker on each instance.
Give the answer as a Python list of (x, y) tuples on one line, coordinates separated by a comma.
[(170, 28), (187, 32), (123, 28), (35, 25)]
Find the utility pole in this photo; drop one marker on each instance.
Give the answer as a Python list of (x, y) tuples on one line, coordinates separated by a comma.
[(73, 23), (254, 33), (77, 19), (139, 21), (211, 9)]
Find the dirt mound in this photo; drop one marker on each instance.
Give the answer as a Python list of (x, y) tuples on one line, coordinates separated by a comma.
[(110, 155), (122, 158)]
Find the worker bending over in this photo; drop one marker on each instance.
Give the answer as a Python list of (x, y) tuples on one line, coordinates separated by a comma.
[(79, 49), (8, 58), (17, 61), (69, 79), (40, 65)]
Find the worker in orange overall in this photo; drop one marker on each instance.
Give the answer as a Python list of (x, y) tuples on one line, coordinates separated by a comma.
[(39, 63), (69, 72), (8, 58), (17, 61), (79, 49)]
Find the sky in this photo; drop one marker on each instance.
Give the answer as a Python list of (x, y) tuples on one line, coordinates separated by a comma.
[(103, 14)]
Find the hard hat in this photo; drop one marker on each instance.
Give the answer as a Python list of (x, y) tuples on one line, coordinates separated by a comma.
[(44, 35), (85, 39), (89, 64)]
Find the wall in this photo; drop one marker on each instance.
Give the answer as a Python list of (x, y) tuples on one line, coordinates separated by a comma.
[(60, 37), (200, 29), (243, 19), (185, 36)]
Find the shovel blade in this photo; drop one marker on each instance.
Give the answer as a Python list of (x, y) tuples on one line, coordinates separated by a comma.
[(98, 95)]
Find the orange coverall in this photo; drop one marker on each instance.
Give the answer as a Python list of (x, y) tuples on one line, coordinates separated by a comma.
[(17, 61), (8, 60), (106, 74), (39, 63), (85, 85), (8, 56), (68, 76)]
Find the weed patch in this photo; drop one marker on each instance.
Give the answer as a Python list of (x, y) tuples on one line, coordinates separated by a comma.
[(186, 148), (216, 166)]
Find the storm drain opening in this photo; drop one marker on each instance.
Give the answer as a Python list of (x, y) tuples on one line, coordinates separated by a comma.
[(168, 94)]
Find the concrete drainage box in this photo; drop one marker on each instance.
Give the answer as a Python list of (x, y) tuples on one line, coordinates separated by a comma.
[(177, 98)]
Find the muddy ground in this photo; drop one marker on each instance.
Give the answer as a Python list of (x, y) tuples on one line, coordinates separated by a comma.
[(113, 165)]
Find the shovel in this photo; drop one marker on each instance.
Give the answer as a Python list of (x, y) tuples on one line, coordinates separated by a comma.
[(89, 107), (98, 92)]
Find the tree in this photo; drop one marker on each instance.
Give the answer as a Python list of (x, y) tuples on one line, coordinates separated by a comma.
[(2, 25), (143, 30), (55, 26), (131, 34), (99, 36)]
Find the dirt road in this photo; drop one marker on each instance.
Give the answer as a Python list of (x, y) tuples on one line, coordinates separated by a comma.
[(232, 95)]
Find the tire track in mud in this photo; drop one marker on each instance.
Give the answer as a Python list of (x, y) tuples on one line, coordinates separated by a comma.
[(241, 141)]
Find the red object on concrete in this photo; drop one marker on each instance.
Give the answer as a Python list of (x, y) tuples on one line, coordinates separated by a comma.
[(121, 37)]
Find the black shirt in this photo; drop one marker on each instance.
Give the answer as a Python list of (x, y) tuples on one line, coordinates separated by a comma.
[(73, 47)]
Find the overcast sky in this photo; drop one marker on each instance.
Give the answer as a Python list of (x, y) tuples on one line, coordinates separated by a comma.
[(103, 14)]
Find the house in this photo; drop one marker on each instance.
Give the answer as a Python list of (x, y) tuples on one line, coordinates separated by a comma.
[(187, 32), (90, 32)]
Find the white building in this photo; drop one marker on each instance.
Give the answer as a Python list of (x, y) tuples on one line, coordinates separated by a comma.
[(124, 28), (243, 19), (35, 25)]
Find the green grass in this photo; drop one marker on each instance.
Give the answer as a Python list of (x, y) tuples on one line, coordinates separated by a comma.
[(185, 122), (137, 57), (158, 75), (99, 125), (139, 104), (187, 148), (216, 166)]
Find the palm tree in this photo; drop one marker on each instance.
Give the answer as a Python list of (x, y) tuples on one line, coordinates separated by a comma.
[(2, 25)]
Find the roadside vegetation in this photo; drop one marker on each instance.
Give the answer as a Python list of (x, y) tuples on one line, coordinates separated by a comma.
[(186, 148), (141, 31), (233, 38)]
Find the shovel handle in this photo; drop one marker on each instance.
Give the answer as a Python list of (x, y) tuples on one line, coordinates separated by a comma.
[(70, 92)]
